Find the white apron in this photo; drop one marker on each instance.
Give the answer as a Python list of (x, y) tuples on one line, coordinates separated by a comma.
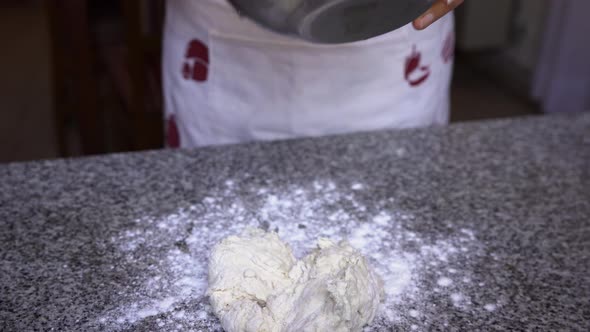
[(228, 80)]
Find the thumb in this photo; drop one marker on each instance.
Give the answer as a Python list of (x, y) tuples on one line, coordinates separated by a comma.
[(439, 9)]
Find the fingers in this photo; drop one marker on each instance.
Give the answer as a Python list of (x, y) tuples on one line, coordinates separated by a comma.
[(439, 9)]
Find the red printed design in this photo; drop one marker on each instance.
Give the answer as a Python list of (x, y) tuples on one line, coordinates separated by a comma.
[(172, 136), (196, 65), (448, 51), (415, 73)]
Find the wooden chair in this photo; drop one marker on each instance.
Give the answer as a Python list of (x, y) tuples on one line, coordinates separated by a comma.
[(131, 69), (144, 63)]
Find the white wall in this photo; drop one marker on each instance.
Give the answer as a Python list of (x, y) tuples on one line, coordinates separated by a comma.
[(530, 21), (483, 24), (562, 76), (515, 27)]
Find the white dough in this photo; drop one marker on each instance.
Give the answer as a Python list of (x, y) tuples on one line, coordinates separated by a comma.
[(257, 285)]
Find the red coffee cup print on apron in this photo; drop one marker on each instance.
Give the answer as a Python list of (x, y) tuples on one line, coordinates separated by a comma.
[(172, 134), (415, 73), (196, 64)]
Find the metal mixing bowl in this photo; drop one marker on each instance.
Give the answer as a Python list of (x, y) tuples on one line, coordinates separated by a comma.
[(332, 21)]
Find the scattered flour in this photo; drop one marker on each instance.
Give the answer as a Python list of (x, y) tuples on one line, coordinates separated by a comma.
[(490, 307), (444, 282), (171, 294), (357, 186), (456, 297)]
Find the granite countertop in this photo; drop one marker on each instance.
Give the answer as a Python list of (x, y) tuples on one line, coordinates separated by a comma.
[(478, 226)]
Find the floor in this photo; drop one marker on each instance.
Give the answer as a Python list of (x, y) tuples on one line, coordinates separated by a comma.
[(474, 96), (27, 131)]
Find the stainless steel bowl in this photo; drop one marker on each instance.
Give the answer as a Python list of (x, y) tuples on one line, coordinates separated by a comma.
[(332, 21)]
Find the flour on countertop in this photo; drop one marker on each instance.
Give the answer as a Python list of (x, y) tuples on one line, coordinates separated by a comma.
[(172, 291), (490, 307)]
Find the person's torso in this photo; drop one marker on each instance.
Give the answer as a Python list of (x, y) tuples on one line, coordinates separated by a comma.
[(229, 80)]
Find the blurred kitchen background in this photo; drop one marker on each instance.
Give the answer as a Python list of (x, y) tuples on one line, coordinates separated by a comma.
[(82, 77)]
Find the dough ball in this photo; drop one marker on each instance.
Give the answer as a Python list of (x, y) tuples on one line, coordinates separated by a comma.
[(244, 271), (255, 284)]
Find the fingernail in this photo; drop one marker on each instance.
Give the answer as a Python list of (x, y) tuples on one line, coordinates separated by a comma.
[(426, 20)]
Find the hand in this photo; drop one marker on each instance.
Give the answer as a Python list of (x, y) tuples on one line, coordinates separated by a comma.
[(439, 9)]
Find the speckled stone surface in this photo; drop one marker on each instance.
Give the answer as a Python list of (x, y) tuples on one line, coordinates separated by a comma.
[(522, 186)]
